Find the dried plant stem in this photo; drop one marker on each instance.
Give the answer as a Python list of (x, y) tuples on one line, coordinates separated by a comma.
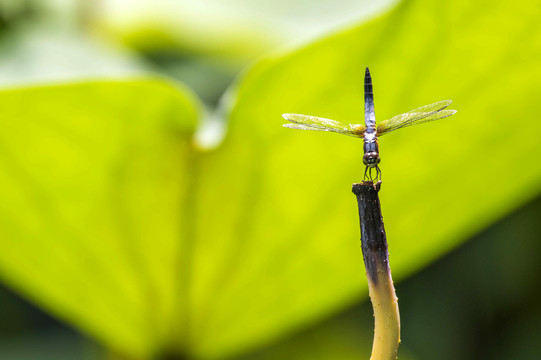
[(378, 272)]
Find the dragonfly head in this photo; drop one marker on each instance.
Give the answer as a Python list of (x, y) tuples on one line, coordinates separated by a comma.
[(371, 159)]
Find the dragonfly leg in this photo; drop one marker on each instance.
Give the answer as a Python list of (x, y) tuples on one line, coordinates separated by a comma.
[(368, 174)]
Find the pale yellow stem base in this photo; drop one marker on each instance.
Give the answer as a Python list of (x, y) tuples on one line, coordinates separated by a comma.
[(386, 315)]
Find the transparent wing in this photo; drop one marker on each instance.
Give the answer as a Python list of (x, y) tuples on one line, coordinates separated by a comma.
[(417, 116), (305, 122)]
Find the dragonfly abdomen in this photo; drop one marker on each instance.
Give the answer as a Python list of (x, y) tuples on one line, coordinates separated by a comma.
[(369, 113), (371, 148)]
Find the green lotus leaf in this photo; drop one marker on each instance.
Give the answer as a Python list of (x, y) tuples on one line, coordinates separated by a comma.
[(93, 186)]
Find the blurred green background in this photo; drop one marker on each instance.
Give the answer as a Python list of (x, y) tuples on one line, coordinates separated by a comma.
[(152, 206)]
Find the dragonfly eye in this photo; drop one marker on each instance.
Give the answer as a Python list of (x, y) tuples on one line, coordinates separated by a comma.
[(371, 158)]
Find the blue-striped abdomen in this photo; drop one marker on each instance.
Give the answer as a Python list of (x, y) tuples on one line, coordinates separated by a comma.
[(369, 113), (370, 146)]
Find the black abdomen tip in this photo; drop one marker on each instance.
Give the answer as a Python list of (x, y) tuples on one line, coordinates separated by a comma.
[(367, 77), (367, 82)]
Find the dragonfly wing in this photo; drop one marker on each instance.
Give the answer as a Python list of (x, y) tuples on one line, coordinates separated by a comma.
[(417, 116), (306, 122), (437, 106), (302, 127)]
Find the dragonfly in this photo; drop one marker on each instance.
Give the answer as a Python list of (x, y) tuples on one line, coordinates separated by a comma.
[(369, 132)]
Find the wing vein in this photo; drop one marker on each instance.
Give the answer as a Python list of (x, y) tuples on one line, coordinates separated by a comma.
[(417, 116)]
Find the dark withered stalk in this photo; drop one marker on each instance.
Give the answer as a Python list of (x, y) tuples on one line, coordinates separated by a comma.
[(378, 272)]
